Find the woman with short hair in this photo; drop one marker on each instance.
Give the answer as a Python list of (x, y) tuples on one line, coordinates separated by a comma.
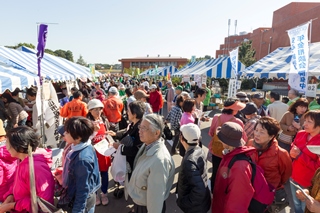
[(305, 163), (275, 161), (80, 176), (292, 122)]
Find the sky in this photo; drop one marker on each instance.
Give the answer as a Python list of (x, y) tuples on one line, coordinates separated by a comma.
[(104, 31)]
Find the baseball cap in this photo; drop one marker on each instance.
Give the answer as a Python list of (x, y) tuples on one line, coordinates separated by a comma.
[(113, 90), (191, 133), (169, 82), (249, 109), (257, 95), (95, 103), (230, 133), (179, 88), (97, 83), (140, 94)]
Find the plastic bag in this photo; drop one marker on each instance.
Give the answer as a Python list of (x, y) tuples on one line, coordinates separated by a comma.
[(119, 166)]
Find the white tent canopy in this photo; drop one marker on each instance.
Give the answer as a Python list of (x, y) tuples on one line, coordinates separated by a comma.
[(277, 63)]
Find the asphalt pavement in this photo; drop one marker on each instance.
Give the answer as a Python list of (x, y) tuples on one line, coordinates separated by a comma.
[(122, 206)]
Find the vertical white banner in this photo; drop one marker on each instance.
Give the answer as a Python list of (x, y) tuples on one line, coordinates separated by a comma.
[(232, 91), (234, 61), (298, 75)]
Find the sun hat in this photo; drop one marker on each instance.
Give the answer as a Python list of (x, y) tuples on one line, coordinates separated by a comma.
[(249, 109), (140, 94), (191, 133), (230, 133), (95, 103), (235, 106)]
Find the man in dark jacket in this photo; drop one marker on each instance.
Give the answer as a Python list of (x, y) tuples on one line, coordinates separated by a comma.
[(193, 191)]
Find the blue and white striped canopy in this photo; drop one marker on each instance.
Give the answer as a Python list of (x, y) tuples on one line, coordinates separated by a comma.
[(213, 68), (11, 78), (162, 71), (29, 62), (78, 70), (277, 63)]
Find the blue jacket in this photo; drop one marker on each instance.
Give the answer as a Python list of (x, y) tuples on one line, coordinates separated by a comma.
[(83, 177)]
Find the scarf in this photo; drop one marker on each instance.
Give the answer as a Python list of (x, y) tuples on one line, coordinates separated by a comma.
[(74, 148)]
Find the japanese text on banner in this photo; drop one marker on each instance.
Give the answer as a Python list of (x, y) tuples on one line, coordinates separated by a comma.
[(300, 56), (234, 61)]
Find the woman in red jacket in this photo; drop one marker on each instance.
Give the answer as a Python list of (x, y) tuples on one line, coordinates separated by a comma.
[(233, 190), (305, 163), (275, 161), (155, 99)]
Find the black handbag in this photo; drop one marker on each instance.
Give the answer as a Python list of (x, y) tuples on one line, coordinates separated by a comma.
[(167, 132)]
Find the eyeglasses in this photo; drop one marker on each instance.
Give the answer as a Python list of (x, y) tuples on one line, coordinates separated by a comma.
[(142, 128)]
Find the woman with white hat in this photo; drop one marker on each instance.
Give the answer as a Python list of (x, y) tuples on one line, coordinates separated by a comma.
[(101, 123)]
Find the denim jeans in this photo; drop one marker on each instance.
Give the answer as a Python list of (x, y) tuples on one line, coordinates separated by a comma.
[(104, 182), (299, 206)]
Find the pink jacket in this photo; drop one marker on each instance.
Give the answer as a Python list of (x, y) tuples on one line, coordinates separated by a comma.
[(8, 166), (224, 118), (43, 179), (186, 118)]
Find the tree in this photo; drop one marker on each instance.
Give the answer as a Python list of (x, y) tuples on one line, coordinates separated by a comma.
[(51, 52), (26, 45), (60, 53), (81, 61), (69, 55), (246, 53)]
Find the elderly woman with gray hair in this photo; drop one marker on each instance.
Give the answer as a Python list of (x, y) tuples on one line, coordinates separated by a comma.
[(154, 169)]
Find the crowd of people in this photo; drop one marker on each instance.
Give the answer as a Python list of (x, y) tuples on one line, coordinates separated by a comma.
[(270, 134)]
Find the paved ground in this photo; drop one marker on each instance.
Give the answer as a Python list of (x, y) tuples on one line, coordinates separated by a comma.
[(122, 206)]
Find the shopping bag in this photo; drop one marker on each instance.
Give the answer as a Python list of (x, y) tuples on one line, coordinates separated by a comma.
[(118, 168)]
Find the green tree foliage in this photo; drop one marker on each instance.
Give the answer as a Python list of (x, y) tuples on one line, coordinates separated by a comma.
[(26, 45), (69, 55), (22, 44), (64, 54), (51, 52), (246, 53), (81, 61)]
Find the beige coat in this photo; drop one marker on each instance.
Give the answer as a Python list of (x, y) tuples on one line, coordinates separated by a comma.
[(286, 121)]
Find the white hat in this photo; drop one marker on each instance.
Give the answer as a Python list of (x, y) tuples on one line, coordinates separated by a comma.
[(169, 82), (95, 103), (314, 149), (113, 90), (153, 86), (191, 132)]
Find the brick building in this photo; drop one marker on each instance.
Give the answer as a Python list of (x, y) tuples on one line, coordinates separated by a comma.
[(149, 62), (266, 40)]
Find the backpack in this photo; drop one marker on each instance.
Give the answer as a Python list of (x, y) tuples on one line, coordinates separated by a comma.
[(263, 192), (216, 143)]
